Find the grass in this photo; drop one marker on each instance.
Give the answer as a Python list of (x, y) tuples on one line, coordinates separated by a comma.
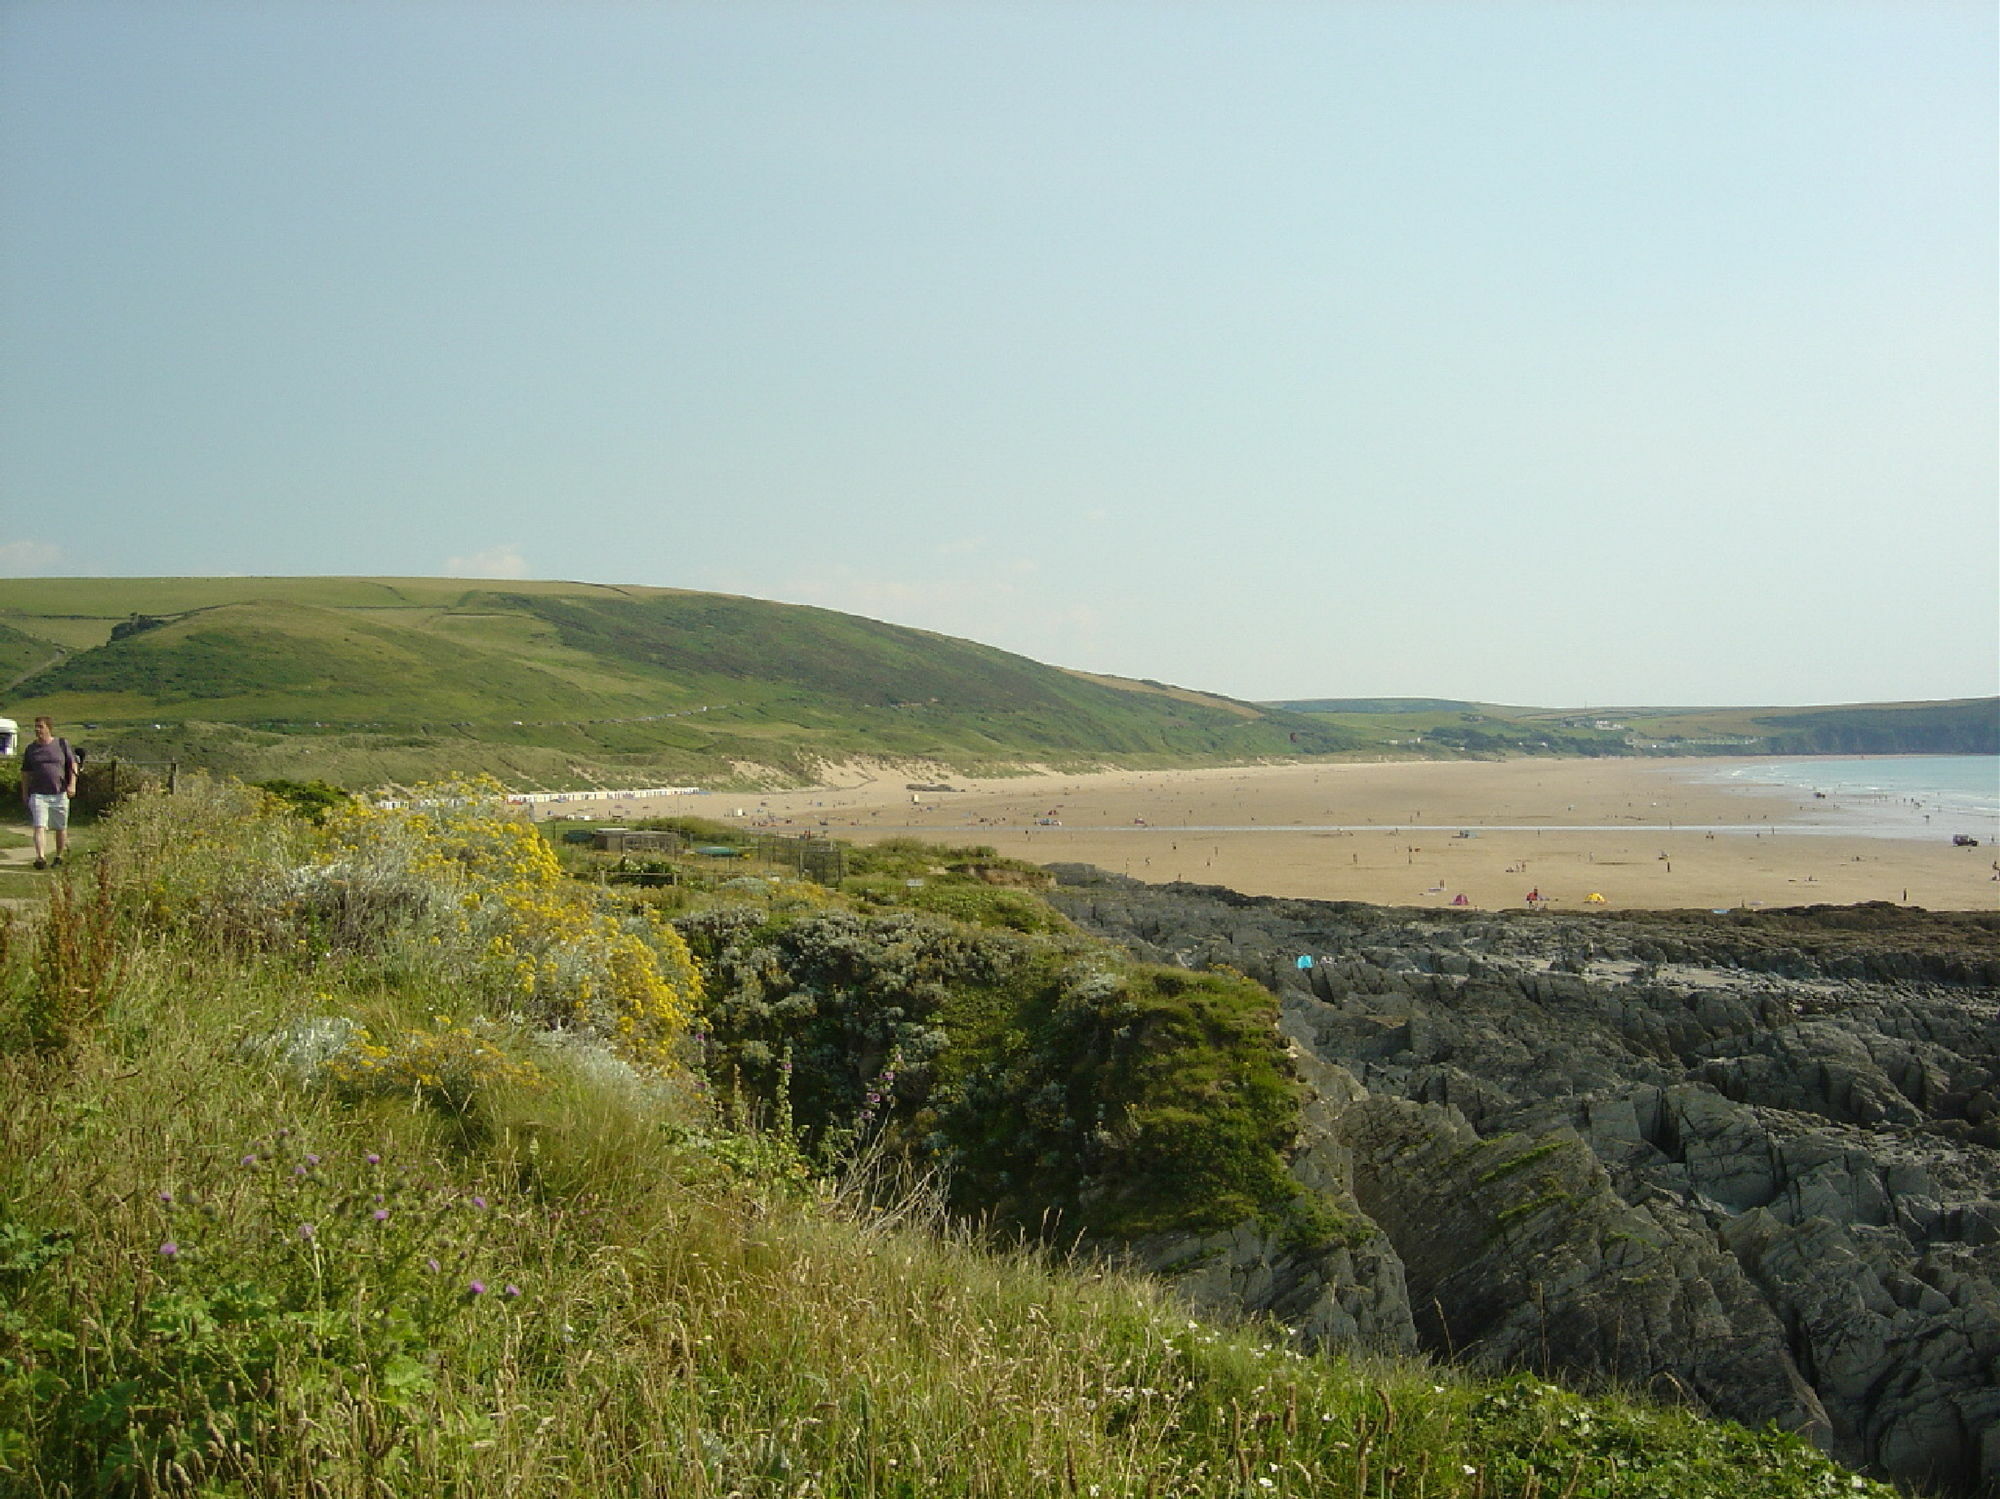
[(1424, 726), (236, 1262), (22, 883), (362, 680)]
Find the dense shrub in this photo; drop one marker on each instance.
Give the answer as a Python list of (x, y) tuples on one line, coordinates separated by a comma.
[(1063, 1089), (456, 894)]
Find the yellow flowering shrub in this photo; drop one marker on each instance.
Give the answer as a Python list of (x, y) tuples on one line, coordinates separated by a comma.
[(457, 888), (447, 1064)]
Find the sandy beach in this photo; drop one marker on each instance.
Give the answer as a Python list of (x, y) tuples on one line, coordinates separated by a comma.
[(1638, 833)]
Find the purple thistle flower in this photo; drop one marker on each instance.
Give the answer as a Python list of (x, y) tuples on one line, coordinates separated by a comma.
[(480, 1203), (298, 1171), (431, 1265), (477, 1288), (306, 1231), (169, 1250), (249, 1160), (373, 1159), (381, 1215), (167, 1197), (512, 1289), (311, 1159)]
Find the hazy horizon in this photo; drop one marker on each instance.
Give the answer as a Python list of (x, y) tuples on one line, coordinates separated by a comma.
[(1524, 352)]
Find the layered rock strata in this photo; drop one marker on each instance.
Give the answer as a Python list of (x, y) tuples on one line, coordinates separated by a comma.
[(1748, 1161)]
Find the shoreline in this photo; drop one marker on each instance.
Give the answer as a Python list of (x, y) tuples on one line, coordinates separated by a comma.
[(1647, 834)]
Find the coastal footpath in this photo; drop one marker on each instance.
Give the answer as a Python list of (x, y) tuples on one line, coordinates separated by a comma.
[(1750, 1163)]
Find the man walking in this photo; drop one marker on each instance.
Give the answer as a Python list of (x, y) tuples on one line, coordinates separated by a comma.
[(48, 781)]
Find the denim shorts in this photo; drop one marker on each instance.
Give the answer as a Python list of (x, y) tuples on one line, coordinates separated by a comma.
[(48, 811)]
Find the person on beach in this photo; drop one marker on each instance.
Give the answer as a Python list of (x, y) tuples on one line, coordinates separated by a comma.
[(48, 781)]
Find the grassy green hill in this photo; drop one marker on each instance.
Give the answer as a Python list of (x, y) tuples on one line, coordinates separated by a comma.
[(1969, 726), (364, 680), (357, 680)]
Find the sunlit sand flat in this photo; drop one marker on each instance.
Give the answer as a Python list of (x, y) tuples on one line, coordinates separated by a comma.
[(1652, 833)]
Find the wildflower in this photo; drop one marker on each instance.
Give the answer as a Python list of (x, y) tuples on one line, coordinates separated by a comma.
[(167, 1197), (298, 1171), (311, 1159), (169, 1250), (306, 1231), (373, 1159), (512, 1289), (480, 1203), (477, 1288), (381, 1215), (249, 1160), (431, 1265)]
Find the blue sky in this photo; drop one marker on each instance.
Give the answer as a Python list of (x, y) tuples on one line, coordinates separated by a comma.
[(1540, 353)]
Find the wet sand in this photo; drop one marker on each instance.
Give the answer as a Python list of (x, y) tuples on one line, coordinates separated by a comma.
[(1640, 833)]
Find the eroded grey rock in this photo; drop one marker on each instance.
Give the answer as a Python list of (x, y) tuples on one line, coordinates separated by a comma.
[(1761, 1153)]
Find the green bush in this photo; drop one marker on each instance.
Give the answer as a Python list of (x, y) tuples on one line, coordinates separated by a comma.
[(1062, 1089), (967, 900), (312, 800)]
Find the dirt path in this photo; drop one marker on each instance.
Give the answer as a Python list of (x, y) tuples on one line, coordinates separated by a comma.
[(19, 858)]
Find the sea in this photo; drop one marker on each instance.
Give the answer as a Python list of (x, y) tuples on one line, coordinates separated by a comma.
[(1889, 794)]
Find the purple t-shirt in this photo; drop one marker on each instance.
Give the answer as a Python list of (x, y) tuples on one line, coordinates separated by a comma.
[(45, 768)]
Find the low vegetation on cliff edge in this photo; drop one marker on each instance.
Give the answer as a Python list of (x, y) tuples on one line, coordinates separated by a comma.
[(378, 1155)]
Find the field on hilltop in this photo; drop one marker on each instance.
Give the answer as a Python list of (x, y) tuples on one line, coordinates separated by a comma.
[(360, 680), (1439, 726)]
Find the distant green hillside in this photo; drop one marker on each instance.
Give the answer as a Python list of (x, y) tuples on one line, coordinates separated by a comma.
[(359, 680), (365, 680), (1969, 726)]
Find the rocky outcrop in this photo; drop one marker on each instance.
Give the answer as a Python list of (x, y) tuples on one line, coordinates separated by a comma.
[(1346, 1295), (1750, 1162)]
